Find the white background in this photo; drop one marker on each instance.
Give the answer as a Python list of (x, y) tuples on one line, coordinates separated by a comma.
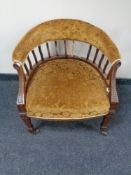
[(18, 16)]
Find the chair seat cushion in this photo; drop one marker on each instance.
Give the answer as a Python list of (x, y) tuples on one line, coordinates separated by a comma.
[(66, 89)]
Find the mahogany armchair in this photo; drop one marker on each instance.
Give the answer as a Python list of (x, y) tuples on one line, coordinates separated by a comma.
[(67, 71)]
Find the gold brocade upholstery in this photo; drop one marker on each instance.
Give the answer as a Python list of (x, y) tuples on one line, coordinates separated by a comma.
[(60, 29), (66, 89)]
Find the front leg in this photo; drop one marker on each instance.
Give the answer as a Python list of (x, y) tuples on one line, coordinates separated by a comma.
[(29, 125), (104, 124), (113, 97)]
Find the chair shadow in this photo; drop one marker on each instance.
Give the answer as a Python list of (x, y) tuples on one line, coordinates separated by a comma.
[(70, 125)]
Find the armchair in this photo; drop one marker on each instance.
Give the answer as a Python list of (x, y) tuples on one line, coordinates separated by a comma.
[(67, 71)]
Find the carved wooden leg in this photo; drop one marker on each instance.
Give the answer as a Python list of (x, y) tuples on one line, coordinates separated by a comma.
[(29, 125), (105, 123)]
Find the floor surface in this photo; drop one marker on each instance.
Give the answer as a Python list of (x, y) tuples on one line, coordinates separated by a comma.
[(69, 148)]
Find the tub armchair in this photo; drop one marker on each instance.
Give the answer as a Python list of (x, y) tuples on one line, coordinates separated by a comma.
[(67, 71)]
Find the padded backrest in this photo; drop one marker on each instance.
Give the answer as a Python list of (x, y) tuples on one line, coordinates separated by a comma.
[(66, 29)]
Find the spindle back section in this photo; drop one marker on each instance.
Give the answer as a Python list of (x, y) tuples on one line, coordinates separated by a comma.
[(66, 49)]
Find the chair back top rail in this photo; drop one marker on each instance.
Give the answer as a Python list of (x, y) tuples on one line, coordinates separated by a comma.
[(66, 29)]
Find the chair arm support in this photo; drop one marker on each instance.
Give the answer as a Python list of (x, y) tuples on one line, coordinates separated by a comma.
[(113, 96), (21, 93)]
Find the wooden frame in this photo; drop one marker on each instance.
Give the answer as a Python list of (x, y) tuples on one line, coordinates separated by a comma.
[(25, 74)]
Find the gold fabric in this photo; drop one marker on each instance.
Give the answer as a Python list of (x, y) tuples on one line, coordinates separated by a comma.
[(66, 29), (66, 89)]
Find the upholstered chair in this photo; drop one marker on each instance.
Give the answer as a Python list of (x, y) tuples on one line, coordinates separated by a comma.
[(67, 71)]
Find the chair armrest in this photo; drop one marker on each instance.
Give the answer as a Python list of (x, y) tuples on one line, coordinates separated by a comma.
[(21, 93), (113, 96)]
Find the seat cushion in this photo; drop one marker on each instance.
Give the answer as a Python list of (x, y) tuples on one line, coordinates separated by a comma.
[(66, 89)]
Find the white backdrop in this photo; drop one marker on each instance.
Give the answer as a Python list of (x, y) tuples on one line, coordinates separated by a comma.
[(18, 16)]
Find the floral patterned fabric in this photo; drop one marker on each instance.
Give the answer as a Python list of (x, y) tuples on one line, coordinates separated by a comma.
[(66, 29), (66, 89)]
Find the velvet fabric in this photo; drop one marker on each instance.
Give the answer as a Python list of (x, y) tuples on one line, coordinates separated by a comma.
[(65, 29), (66, 89)]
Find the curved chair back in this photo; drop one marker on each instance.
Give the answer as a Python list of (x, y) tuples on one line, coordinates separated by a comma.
[(66, 38)]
